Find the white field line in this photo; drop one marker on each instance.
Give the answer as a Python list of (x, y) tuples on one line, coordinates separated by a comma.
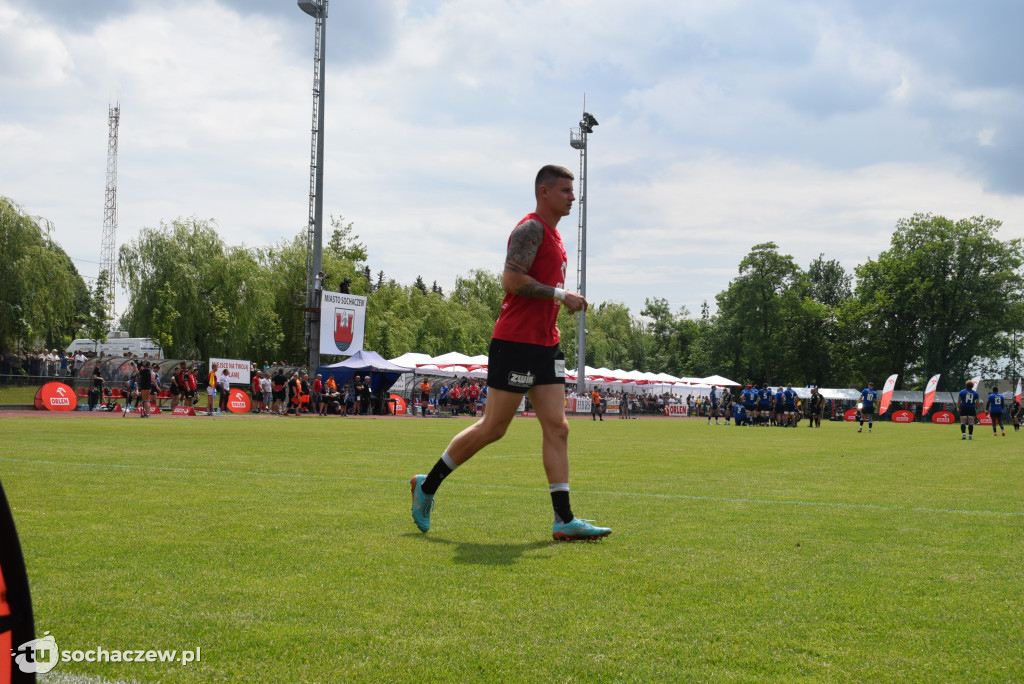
[(650, 495)]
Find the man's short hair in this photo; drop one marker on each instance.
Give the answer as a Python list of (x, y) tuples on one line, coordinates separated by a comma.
[(549, 174)]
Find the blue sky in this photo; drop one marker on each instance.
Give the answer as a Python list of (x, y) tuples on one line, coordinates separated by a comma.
[(816, 125)]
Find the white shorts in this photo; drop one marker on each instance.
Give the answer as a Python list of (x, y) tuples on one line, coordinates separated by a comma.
[(211, 390)]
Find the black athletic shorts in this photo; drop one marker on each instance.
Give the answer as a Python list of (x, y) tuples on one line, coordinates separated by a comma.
[(969, 411), (868, 411), (518, 366)]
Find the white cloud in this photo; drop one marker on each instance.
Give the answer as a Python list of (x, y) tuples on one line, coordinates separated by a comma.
[(722, 125)]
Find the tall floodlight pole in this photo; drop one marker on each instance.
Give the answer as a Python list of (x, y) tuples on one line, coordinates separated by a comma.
[(314, 232), (578, 140), (108, 245)]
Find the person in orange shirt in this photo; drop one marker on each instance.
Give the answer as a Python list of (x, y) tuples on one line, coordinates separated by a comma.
[(424, 396), (595, 405)]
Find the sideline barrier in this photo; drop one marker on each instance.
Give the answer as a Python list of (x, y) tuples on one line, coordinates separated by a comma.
[(676, 410), (55, 396), (183, 411), (850, 416), (943, 418), (902, 416), (238, 401)]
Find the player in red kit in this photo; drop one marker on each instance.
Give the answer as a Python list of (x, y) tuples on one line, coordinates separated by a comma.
[(525, 356)]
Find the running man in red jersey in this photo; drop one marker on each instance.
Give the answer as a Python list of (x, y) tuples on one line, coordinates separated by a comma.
[(525, 356)]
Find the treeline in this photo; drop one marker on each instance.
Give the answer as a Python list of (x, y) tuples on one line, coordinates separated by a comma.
[(44, 300), (945, 297)]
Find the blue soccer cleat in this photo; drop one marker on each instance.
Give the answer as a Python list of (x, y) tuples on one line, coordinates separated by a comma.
[(421, 503), (578, 530)]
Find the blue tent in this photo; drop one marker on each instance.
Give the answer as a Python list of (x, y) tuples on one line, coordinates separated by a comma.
[(383, 373)]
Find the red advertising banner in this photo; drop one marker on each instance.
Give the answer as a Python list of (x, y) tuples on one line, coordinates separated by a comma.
[(943, 418), (675, 410), (153, 408), (238, 401), (183, 411), (398, 403), (850, 416), (902, 417), (56, 396), (984, 418)]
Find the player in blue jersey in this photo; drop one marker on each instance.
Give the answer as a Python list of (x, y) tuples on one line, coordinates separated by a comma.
[(789, 405), (764, 404), (967, 407), (739, 412), (777, 408), (994, 406), (748, 398), (713, 408), (867, 406)]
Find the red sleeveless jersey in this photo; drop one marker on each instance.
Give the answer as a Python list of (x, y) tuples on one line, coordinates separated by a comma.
[(529, 319)]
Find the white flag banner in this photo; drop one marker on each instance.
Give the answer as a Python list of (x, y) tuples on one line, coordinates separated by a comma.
[(929, 394), (977, 382), (342, 317), (890, 385), (1017, 393)]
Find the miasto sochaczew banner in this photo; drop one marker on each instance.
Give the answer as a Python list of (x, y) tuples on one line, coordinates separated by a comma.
[(342, 317)]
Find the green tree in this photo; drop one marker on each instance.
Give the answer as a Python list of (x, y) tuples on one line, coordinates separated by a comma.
[(754, 333), (96, 324), (944, 296), (187, 286), (42, 292)]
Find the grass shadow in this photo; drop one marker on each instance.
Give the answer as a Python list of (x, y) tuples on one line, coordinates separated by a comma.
[(475, 553)]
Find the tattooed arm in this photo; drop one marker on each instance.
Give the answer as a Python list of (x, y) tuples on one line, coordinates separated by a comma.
[(522, 250)]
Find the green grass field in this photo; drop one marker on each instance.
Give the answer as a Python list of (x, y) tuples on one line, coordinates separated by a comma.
[(285, 550)]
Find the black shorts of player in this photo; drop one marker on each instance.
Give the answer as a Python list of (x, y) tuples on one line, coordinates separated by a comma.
[(518, 366), (174, 390), (867, 411), (968, 411), (278, 395), (789, 408), (764, 408)]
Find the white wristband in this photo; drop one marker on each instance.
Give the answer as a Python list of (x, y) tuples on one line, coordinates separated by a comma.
[(559, 293)]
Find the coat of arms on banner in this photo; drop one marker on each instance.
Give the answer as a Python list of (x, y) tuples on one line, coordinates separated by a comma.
[(343, 330)]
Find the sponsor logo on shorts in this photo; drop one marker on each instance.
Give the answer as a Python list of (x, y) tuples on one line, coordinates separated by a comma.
[(517, 379), (560, 368)]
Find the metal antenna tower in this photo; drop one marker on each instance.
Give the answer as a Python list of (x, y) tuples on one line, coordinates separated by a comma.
[(314, 233), (108, 245), (578, 140)]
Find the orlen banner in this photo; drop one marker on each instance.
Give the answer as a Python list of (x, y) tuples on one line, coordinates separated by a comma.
[(943, 418), (675, 410), (341, 323), (238, 370), (55, 396), (902, 417), (238, 401)]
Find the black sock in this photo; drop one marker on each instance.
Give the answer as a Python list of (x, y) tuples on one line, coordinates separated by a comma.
[(970, 429), (963, 428), (435, 477), (560, 501)]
